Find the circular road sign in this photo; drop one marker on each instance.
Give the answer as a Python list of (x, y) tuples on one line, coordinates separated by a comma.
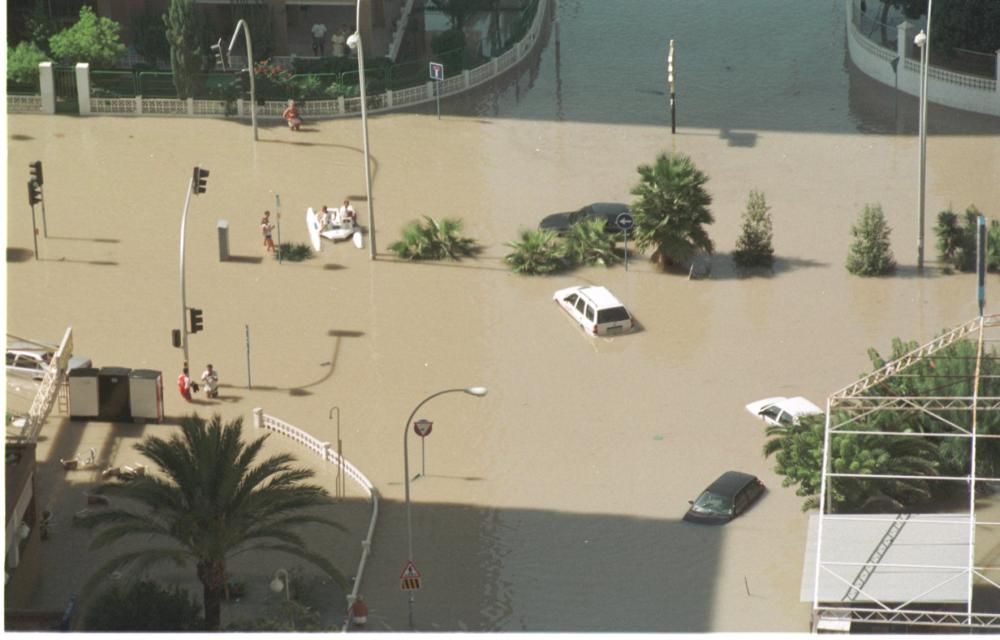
[(625, 221), (422, 427)]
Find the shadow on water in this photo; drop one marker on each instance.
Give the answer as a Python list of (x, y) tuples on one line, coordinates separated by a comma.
[(104, 240), (245, 259), (19, 254), (487, 569), (767, 66)]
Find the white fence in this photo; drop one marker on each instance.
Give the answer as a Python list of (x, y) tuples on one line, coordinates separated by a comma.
[(323, 450), (140, 106), (957, 90)]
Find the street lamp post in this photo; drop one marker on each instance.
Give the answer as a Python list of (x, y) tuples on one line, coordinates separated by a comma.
[(922, 40), (253, 97), (472, 391), (281, 582), (354, 42)]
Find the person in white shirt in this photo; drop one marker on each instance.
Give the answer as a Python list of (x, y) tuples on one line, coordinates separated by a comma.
[(338, 40), (346, 214), (211, 379), (325, 218), (319, 35)]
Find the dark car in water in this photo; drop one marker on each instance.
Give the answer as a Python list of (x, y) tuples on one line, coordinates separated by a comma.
[(607, 211), (729, 496)]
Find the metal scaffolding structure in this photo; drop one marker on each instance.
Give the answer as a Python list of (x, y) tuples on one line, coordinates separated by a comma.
[(942, 589)]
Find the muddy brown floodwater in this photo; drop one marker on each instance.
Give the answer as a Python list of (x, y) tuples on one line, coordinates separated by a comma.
[(554, 503)]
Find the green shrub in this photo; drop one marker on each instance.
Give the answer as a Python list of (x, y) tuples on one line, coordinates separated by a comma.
[(753, 247), (956, 242), (434, 240), (22, 63), (870, 254), (144, 606), (537, 252), (589, 243), (92, 39), (293, 251)]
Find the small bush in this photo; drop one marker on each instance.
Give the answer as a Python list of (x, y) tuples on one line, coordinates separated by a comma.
[(293, 251), (144, 606), (589, 243), (956, 242), (871, 254), (753, 247), (22, 63), (538, 252), (434, 240)]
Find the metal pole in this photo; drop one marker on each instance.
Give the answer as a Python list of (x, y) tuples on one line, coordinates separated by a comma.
[(364, 126), (921, 196), (981, 262), (253, 93), (34, 230), (45, 224), (277, 216), (423, 456), (406, 473), (626, 248), (247, 329), (340, 457), (437, 93), (184, 331), (670, 81)]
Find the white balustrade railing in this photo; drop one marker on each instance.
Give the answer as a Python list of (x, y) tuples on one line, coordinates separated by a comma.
[(323, 450), (339, 107)]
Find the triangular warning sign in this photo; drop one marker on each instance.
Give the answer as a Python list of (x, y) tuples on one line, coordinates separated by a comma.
[(409, 571)]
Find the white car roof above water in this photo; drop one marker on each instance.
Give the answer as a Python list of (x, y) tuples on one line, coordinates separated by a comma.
[(598, 295), (797, 406)]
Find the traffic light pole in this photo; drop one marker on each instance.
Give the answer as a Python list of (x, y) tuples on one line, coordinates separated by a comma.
[(34, 230), (184, 320), (45, 224)]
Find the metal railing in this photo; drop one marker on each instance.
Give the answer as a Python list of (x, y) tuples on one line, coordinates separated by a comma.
[(323, 450)]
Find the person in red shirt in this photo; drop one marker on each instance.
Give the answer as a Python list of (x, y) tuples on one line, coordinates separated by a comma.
[(359, 611), (184, 384)]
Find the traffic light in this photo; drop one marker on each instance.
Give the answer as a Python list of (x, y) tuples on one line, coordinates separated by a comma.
[(197, 323), (34, 193), (219, 57), (175, 337), (200, 180), (244, 75), (36, 172)]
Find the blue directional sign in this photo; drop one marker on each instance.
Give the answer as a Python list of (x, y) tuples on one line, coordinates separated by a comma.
[(625, 221)]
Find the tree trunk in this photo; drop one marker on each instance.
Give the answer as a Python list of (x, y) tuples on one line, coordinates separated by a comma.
[(212, 575)]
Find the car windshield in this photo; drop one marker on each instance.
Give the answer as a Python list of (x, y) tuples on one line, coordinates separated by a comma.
[(713, 503)]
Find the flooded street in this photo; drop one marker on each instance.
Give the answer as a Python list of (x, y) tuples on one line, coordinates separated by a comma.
[(554, 503)]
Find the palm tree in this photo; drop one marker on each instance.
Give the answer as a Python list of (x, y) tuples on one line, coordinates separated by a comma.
[(434, 240), (538, 252), (588, 242), (671, 208), (214, 501)]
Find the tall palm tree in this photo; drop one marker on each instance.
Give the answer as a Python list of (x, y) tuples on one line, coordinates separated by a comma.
[(671, 208), (213, 501)]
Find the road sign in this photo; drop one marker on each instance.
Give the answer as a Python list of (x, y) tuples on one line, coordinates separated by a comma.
[(409, 578), (437, 71), (625, 221), (423, 427)]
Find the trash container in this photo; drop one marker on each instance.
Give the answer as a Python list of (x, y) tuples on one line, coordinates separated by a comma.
[(83, 402), (113, 394), (145, 388), (223, 228)]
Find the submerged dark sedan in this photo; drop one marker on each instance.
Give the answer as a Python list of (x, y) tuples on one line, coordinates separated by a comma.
[(607, 211), (726, 498)]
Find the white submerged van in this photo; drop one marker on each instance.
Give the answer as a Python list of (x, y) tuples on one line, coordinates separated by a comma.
[(595, 309)]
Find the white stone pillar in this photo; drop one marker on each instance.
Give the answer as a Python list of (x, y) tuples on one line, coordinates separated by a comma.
[(465, 78), (190, 106), (341, 106), (83, 87), (388, 98), (138, 105), (258, 418), (998, 74), (47, 84), (429, 88), (240, 107)]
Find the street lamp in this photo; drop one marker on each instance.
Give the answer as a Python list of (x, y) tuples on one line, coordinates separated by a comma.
[(253, 99), (922, 41), (278, 584), (472, 391), (354, 42)]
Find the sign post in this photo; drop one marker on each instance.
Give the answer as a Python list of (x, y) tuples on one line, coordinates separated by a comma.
[(437, 74), (423, 429), (670, 81), (625, 221), (409, 577)]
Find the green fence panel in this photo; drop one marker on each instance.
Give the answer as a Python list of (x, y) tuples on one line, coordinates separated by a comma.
[(113, 84), (157, 84)]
